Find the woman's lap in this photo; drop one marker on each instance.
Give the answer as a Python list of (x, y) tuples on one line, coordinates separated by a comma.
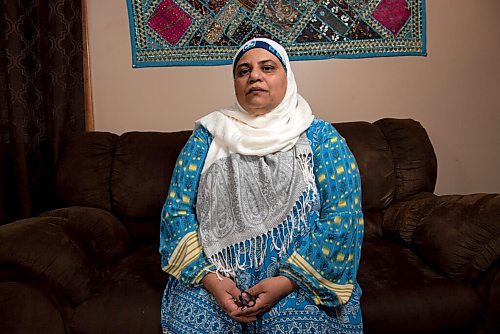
[(194, 310)]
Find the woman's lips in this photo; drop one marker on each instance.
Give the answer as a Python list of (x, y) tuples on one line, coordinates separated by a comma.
[(255, 90)]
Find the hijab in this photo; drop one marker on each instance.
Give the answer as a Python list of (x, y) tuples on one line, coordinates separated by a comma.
[(236, 131)]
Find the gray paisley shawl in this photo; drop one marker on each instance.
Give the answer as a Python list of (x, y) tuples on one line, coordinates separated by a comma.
[(245, 199)]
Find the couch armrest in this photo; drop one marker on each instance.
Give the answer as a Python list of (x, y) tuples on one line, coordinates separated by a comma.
[(460, 236), (107, 238), (26, 309), (402, 218), (457, 234), (58, 253)]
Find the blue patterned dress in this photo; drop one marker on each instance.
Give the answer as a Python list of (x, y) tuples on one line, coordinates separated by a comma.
[(323, 260)]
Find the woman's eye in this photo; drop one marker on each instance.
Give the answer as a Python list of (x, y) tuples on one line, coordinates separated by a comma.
[(243, 71), (267, 68)]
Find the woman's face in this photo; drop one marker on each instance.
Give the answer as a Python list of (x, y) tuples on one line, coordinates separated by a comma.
[(260, 82)]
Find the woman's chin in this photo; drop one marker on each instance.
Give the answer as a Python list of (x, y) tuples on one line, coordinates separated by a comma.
[(257, 109), (257, 112)]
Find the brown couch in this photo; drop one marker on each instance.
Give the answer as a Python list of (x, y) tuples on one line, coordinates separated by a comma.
[(430, 264)]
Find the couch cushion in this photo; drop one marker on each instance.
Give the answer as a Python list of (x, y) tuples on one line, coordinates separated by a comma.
[(373, 224), (144, 231), (129, 301), (375, 163), (396, 282), (84, 170), (142, 169)]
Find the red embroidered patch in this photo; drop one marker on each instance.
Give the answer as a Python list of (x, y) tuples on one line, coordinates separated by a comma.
[(392, 14), (170, 21)]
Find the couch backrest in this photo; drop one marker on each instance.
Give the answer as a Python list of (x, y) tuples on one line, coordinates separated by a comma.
[(129, 175), (395, 158), (84, 170)]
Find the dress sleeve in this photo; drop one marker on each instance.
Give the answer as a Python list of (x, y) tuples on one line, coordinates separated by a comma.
[(325, 261), (180, 248)]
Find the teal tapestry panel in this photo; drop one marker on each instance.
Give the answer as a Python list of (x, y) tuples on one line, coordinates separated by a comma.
[(208, 32)]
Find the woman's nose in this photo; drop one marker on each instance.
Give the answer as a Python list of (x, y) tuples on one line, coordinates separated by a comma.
[(255, 75)]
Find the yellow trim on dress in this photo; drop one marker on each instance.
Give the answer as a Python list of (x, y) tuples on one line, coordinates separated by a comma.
[(316, 298), (187, 250), (343, 291)]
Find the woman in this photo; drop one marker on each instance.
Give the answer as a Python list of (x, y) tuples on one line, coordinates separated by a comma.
[(262, 227)]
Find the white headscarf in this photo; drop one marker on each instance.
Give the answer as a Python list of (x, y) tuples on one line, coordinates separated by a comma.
[(236, 131)]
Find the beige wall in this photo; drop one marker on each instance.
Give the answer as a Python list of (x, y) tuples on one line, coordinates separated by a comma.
[(454, 91)]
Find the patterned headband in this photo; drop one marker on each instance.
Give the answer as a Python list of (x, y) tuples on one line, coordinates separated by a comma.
[(252, 44)]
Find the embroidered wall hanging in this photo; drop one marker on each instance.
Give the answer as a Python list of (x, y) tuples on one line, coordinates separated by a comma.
[(208, 32)]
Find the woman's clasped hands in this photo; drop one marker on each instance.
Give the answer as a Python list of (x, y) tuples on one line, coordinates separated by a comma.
[(245, 306)]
